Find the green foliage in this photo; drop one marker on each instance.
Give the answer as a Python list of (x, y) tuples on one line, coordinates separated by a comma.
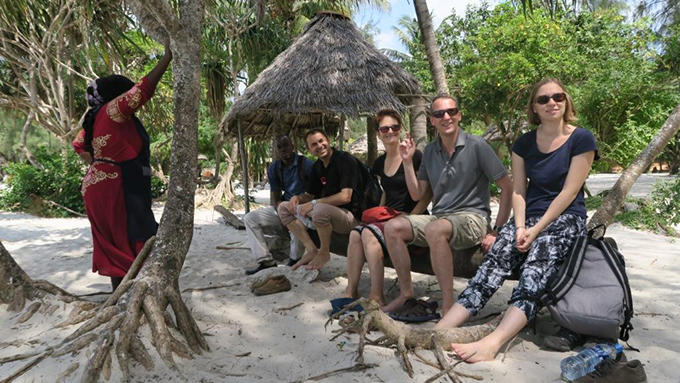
[(609, 65), (59, 182), (659, 213)]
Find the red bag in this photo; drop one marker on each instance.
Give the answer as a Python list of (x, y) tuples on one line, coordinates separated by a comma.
[(378, 214)]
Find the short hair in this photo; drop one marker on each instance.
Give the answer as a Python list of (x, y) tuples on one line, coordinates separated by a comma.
[(283, 137), (388, 113), (569, 108), (443, 96), (315, 131)]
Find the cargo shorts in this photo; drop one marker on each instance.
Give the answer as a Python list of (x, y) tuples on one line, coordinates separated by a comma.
[(468, 228)]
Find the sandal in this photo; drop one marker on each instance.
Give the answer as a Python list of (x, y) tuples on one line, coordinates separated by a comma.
[(340, 303), (416, 310)]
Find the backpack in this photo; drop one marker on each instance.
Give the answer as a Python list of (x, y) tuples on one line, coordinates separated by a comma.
[(369, 183), (590, 293), (302, 174)]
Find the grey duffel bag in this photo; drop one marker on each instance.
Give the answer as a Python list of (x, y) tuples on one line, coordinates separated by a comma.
[(590, 293)]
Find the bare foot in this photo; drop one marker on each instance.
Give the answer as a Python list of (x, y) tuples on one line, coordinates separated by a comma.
[(321, 259), (397, 303), (307, 257), (380, 299), (481, 351), (349, 293)]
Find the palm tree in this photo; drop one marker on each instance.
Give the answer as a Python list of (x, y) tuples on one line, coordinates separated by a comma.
[(431, 46)]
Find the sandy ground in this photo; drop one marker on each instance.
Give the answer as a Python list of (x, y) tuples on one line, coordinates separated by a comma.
[(251, 340)]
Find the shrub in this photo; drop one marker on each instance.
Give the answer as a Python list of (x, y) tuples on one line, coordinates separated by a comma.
[(28, 187), (659, 213)]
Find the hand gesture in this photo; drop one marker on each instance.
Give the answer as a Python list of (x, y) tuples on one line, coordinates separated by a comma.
[(168, 51), (407, 149)]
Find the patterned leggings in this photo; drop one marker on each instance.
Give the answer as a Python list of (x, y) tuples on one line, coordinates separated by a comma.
[(537, 265)]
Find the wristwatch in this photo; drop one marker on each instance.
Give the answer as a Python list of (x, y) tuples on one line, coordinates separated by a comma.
[(496, 228), (313, 202)]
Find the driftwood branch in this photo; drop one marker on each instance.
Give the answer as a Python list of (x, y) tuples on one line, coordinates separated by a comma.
[(230, 218)]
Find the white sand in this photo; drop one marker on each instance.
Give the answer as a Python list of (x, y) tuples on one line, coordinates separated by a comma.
[(293, 345)]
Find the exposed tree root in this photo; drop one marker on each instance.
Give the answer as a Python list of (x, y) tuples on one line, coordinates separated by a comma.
[(26, 367), (355, 368), (64, 375), (116, 322), (29, 312), (14, 358), (79, 314), (16, 287), (408, 337)]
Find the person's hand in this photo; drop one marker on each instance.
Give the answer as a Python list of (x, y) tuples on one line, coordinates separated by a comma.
[(526, 238), (407, 149), (488, 241), (168, 51), (293, 203), (305, 208)]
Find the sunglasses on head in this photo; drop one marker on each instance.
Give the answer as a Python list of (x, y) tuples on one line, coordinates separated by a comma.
[(387, 128), (440, 113), (558, 97)]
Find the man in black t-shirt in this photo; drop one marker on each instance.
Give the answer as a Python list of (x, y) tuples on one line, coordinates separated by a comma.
[(330, 204)]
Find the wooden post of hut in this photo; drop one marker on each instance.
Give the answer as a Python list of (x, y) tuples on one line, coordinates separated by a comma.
[(371, 140), (341, 135), (244, 165)]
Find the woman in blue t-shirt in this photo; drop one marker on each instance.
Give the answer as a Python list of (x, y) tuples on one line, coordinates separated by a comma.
[(549, 168)]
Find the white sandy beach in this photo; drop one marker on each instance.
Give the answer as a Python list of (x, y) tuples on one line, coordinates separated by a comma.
[(252, 341)]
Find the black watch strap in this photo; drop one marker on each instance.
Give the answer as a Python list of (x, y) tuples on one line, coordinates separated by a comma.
[(496, 228)]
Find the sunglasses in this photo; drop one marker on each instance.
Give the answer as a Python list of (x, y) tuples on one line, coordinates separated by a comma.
[(384, 129), (558, 97), (440, 113)]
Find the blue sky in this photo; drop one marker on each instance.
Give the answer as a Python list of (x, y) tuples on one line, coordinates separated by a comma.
[(386, 20)]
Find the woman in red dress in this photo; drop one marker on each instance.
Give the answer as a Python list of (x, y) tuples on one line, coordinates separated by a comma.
[(117, 187)]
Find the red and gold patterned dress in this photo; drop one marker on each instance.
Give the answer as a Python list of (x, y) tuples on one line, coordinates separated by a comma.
[(115, 139)]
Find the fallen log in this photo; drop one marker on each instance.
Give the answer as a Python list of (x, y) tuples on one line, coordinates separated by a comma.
[(230, 218)]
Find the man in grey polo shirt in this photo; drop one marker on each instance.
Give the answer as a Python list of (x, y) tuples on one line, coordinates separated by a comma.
[(458, 167)]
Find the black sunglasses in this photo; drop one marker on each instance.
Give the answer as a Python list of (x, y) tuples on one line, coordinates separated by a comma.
[(384, 129), (440, 113), (558, 97)]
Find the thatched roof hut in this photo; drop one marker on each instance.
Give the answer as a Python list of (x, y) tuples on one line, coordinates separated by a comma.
[(328, 72)]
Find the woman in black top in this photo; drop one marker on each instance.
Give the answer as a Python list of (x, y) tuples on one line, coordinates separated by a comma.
[(369, 245)]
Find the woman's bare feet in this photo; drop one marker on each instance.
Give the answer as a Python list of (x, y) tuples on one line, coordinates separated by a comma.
[(380, 299), (349, 293), (322, 257), (397, 303), (307, 257), (480, 351)]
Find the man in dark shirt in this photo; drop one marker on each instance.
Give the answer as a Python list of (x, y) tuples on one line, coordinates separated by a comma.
[(286, 179), (330, 204)]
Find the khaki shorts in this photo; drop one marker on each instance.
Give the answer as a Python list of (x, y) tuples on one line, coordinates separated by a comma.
[(468, 228)]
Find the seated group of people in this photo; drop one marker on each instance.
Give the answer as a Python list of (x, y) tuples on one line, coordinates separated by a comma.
[(545, 192)]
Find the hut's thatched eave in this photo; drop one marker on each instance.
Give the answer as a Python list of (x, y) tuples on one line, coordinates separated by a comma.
[(330, 70)]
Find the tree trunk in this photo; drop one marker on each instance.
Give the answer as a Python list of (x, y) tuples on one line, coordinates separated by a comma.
[(371, 141), (610, 205), (22, 143), (431, 47), (156, 287), (418, 121)]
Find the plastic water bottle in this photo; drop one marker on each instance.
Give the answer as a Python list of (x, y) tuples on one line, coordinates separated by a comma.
[(580, 365)]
